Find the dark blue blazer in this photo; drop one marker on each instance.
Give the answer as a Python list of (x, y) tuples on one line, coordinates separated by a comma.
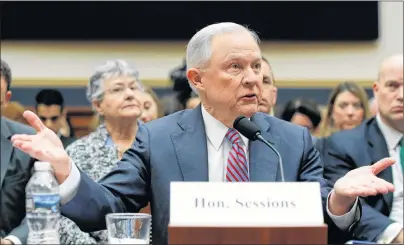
[(347, 150), (174, 148), (15, 172)]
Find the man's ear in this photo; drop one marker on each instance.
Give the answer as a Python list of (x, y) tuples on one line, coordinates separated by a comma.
[(194, 77), (64, 113), (7, 98), (375, 88), (274, 96)]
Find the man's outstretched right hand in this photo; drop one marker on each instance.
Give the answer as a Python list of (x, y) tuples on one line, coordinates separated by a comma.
[(44, 146)]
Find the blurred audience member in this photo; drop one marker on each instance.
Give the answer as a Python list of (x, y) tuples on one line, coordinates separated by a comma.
[(50, 109), (375, 139), (66, 128), (14, 111), (302, 112), (15, 171), (373, 106), (181, 91), (152, 108), (269, 91), (347, 107), (115, 92), (193, 101)]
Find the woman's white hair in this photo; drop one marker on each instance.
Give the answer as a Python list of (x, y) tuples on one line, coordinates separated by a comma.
[(199, 47), (111, 68)]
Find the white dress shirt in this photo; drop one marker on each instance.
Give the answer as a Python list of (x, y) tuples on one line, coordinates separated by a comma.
[(392, 138), (218, 149)]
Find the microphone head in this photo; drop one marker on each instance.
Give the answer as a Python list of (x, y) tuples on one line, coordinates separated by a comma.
[(247, 128)]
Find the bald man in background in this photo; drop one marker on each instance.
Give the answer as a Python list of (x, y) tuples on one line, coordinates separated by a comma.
[(377, 138), (373, 106), (269, 91)]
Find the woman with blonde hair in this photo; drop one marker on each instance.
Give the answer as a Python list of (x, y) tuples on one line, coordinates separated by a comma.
[(152, 108), (347, 107)]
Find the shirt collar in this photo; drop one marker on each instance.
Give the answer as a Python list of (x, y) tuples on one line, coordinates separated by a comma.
[(215, 130), (391, 135)]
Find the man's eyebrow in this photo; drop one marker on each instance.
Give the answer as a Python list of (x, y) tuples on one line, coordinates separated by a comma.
[(392, 81)]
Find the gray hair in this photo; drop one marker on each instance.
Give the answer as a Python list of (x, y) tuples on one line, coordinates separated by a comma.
[(199, 47), (5, 72), (111, 68)]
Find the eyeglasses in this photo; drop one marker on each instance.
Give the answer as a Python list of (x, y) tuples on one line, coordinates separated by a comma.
[(119, 90), (53, 119)]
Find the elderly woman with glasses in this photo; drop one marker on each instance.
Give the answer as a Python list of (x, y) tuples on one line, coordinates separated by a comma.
[(115, 93)]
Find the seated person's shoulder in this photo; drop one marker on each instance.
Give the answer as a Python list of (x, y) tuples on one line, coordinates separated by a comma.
[(17, 127), (282, 126), (347, 142), (352, 135), (69, 140)]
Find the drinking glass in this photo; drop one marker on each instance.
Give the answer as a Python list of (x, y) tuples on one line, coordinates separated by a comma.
[(128, 228)]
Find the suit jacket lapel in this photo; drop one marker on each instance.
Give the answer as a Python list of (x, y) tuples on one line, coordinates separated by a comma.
[(263, 161), (6, 149), (377, 148), (191, 147)]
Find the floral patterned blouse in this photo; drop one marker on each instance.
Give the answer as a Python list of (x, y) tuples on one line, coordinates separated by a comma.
[(83, 153)]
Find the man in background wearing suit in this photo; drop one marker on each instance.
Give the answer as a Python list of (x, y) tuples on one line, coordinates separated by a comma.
[(50, 107), (224, 68), (377, 138), (269, 90), (15, 172)]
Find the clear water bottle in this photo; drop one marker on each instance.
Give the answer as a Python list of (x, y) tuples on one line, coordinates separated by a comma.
[(43, 206)]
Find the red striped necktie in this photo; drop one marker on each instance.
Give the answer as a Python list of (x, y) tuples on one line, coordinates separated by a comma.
[(237, 169)]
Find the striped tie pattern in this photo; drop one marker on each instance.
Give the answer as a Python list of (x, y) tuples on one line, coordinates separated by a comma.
[(237, 169)]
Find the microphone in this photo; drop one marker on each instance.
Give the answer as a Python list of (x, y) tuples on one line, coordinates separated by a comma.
[(251, 131)]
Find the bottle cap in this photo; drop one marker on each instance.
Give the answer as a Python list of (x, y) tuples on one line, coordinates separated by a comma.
[(42, 166)]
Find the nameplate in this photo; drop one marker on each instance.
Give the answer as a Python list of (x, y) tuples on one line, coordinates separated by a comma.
[(246, 204)]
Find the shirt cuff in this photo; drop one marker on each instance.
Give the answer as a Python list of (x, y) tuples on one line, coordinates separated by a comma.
[(390, 233), (343, 222), (68, 188), (13, 239)]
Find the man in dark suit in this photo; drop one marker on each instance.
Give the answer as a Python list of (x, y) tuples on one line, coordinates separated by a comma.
[(377, 138), (50, 107), (269, 90), (15, 172), (224, 68)]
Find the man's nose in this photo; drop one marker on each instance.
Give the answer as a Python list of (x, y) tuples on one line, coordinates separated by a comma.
[(48, 123), (129, 94), (253, 77)]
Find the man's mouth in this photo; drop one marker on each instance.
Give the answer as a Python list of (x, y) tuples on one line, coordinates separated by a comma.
[(129, 106), (250, 96)]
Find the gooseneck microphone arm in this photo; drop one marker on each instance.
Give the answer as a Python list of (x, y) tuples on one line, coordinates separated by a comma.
[(251, 131), (260, 138)]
